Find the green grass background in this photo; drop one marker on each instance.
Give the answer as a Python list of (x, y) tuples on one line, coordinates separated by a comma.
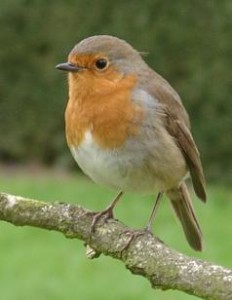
[(37, 264)]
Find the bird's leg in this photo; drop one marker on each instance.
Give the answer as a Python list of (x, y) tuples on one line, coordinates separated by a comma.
[(154, 211), (108, 212), (148, 229)]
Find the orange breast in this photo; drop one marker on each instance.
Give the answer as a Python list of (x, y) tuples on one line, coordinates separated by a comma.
[(103, 105)]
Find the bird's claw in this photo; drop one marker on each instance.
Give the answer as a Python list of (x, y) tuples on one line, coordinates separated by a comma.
[(135, 234), (107, 214)]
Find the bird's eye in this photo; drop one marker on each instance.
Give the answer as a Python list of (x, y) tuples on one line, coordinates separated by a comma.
[(101, 63)]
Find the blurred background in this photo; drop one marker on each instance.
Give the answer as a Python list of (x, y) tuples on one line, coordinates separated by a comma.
[(190, 44)]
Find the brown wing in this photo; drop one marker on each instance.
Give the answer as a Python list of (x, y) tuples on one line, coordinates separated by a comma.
[(178, 125), (185, 141)]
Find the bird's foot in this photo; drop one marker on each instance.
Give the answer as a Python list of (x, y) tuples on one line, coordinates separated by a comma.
[(134, 234), (106, 213), (148, 229)]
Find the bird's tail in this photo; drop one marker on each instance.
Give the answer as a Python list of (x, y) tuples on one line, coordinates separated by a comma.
[(182, 204)]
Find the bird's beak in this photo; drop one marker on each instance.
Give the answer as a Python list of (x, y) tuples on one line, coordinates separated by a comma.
[(68, 67)]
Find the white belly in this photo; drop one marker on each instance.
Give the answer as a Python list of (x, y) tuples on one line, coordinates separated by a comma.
[(147, 163), (118, 169)]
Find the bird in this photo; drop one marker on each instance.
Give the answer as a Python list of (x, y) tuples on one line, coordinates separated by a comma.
[(128, 129)]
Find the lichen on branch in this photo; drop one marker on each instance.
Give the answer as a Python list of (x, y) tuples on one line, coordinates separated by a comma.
[(145, 254)]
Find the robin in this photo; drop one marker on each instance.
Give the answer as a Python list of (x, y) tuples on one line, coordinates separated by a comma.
[(128, 129)]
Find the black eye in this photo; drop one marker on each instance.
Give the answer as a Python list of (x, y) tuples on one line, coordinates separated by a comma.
[(101, 63)]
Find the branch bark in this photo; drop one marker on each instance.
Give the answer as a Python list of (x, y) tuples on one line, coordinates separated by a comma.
[(145, 255)]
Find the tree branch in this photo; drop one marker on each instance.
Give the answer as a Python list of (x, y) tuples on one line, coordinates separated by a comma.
[(145, 255)]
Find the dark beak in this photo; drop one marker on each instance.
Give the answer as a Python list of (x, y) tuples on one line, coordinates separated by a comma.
[(68, 67)]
